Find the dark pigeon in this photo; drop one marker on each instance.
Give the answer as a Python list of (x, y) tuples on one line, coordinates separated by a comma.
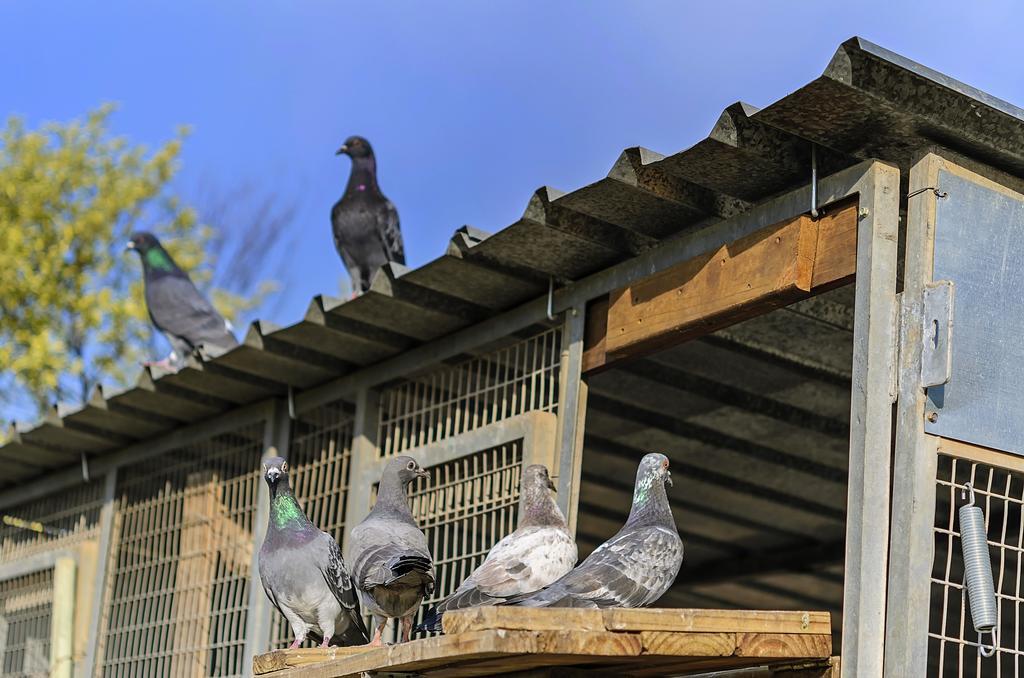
[(364, 222), (176, 307), (391, 565), (636, 566), (303, 572), (539, 551)]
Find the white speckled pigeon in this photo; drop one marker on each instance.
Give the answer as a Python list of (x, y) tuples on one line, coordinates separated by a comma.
[(176, 307), (537, 553), (636, 566), (303, 572), (364, 222), (391, 564)]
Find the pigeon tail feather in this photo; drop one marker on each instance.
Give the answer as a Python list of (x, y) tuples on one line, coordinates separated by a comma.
[(403, 565)]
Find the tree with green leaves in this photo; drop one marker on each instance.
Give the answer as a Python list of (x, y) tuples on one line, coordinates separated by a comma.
[(71, 306)]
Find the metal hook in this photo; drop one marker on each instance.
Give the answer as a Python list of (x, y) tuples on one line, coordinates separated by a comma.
[(291, 402), (968, 487), (85, 468), (814, 181), (551, 298), (991, 649)]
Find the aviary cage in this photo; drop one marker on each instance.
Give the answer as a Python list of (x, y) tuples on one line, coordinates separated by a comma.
[(770, 307)]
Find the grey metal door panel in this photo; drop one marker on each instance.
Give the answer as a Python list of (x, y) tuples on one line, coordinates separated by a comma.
[(979, 245)]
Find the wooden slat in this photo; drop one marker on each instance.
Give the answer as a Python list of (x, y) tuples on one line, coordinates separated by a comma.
[(279, 660), (985, 455), (770, 268), (522, 619), (737, 621), (667, 619)]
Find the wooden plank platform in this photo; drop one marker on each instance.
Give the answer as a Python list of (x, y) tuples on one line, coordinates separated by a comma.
[(503, 640)]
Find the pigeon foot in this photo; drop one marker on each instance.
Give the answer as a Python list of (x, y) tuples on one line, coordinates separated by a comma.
[(295, 644), (406, 628), (377, 641)]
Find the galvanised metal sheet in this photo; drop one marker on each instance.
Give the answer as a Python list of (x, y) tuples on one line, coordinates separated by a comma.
[(978, 245)]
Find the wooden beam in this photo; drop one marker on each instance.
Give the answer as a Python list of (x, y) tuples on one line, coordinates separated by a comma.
[(594, 334), (765, 270)]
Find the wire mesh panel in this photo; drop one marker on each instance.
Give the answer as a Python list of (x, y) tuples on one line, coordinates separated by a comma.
[(465, 507), (53, 522), (455, 399), (953, 643), (318, 468), (180, 567), (25, 606)]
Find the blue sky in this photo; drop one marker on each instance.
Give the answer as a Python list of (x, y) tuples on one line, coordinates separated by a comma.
[(470, 105)]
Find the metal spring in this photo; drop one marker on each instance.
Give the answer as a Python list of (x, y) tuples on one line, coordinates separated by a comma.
[(978, 572)]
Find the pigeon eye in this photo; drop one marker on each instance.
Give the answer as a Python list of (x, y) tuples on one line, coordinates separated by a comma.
[(412, 465), (284, 466)]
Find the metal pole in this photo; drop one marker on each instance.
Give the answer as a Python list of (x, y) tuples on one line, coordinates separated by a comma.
[(103, 557), (874, 353), (915, 466), (572, 410), (276, 443)]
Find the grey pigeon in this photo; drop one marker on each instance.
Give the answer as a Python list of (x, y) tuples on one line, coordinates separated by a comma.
[(391, 565), (537, 553), (364, 222), (636, 566), (303, 572), (176, 307)]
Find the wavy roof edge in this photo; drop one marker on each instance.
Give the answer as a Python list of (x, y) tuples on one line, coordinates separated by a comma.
[(868, 103)]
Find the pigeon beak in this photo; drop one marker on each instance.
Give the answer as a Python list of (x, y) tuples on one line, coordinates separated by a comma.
[(551, 485), (668, 478), (129, 246), (343, 150), (273, 475), (422, 473)]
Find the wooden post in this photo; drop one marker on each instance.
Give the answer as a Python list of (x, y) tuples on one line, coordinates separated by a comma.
[(62, 619)]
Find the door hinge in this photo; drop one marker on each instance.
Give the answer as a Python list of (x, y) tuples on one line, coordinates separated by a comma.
[(937, 333)]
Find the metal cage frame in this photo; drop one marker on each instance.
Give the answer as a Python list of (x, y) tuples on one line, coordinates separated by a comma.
[(877, 186)]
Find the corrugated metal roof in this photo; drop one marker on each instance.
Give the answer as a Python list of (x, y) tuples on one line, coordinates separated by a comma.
[(869, 103)]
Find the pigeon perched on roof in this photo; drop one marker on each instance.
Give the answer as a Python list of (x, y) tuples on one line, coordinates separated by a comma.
[(636, 566), (176, 307), (303, 572), (537, 553), (391, 565), (364, 222)]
